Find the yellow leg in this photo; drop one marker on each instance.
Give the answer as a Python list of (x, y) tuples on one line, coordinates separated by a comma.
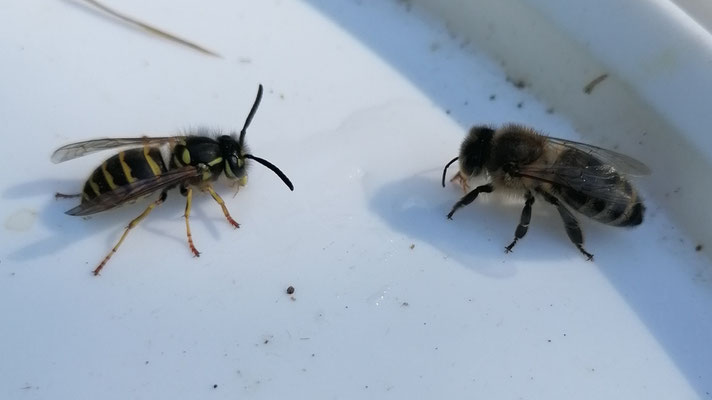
[(132, 224), (222, 204), (188, 202)]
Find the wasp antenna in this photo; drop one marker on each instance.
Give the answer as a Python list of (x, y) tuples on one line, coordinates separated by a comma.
[(445, 170), (250, 115), (274, 169)]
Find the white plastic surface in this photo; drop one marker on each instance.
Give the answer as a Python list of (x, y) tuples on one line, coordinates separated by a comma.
[(364, 104)]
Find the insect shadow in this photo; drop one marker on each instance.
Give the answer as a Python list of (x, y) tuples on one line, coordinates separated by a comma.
[(417, 206), (67, 230)]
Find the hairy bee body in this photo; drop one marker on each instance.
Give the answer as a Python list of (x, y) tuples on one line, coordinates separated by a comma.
[(514, 148), (569, 175)]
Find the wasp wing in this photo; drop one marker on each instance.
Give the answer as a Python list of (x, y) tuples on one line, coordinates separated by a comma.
[(79, 149), (135, 190), (622, 163)]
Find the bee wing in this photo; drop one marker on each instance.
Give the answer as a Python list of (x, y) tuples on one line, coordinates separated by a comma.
[(622, 163), (79, 149), (598, 181), (134, 190)]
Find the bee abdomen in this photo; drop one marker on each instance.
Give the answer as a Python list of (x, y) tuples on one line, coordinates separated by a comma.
[(625, 209), (123, 168)]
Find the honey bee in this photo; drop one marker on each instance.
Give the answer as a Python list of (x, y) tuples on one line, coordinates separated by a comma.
[(569, 175)]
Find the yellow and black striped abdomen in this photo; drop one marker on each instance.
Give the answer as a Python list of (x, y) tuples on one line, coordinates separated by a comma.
[(124, 168)]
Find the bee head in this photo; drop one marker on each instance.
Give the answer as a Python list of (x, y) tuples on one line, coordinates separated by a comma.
[(235, 153), (474, 152)]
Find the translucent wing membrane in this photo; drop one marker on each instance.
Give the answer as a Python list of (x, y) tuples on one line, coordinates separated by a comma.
[(135, 190), (600, 182), (622, 163), (79, 149)]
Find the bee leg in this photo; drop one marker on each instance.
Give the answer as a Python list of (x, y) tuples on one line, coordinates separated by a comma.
[(523, 222), (220, 201), (461, 181), (131, 225), (470, 197), (188, 202), (573, 230), (66, 196)]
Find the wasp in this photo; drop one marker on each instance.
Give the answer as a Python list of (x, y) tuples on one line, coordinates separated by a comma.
[(568, 175), (158, 164)]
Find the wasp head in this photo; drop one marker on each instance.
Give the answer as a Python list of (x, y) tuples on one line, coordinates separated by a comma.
[(235, 153)]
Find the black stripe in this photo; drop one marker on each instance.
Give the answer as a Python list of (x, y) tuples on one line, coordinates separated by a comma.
[(100, 180), (113, 167)]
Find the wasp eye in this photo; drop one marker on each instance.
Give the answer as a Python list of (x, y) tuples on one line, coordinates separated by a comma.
[(234, 162)]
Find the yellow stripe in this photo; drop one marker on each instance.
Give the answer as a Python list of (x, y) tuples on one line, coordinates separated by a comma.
[(126, 168), (207, 175), (216, 160), (186, 157), (228, 170), (151, 163), (108, 177), (94, 187)]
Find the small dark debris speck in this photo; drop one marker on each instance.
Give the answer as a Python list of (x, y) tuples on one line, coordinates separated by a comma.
[(520, 104), (290, 290), (549, 340), (412, 246), (589, 87), (447, 112), (699, 247), (405, 304), (215, 386), (550, 110), (266, 341), (492, 97)]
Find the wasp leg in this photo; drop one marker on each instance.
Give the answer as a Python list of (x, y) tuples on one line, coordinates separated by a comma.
[(523, 222), (66, 196), (573, 230), (222, 204), (188, 202), (470, 197), (131, 225)]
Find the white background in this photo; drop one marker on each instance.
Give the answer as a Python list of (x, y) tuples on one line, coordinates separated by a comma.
[(364, 103)]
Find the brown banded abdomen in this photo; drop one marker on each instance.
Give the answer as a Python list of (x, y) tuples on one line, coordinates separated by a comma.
[(125, 167), (626, 210)]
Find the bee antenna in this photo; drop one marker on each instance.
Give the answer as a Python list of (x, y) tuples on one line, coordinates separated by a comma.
[(250, 115), (445, 170), (274, 169)]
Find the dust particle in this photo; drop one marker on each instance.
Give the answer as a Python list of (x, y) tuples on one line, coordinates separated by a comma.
[(492, 97), (699, 247), (412, 246), (290, 290)]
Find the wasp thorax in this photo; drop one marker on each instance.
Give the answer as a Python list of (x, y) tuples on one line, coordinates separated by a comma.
[(233, 162), (474, 150)]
